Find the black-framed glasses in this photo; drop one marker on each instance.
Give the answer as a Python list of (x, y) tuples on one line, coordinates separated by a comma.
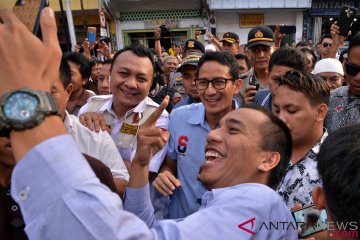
[(352, 69), (217, 83), (325, 44)]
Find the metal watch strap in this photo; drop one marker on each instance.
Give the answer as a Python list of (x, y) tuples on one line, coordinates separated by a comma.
[(47, 106), (49, 103)]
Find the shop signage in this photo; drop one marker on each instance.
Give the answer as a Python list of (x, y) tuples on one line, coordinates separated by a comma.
[(171, 23), (330, 7), (251, 20)]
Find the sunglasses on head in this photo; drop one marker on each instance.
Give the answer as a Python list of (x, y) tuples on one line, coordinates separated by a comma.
[(352, 69), (326, 44)]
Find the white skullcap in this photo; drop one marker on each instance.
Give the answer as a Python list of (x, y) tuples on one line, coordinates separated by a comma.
[(209, 48), (328, 65)]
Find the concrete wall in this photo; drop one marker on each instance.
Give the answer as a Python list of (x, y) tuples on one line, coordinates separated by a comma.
[(229, 22)]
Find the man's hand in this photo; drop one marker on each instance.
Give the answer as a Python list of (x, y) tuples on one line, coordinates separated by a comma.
[(165, 183), (103, 50), (20, 49), (157, 32), (337, 40), (249, 94), (151, 139), (94, 121), (27, 61), (278, 35)]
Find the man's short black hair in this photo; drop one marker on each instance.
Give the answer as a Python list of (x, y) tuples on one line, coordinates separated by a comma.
[(276, 137), (312, 86), (303, 44), (65, 73), (246, 58), (81, 61), (224, 58), (325, 36), (339, 170), (311, 52), (138, 50), (354, 42), (289, 57)]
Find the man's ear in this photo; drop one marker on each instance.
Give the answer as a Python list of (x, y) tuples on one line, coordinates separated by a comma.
[(238, 84), (269, 162), (318, 196), (322, 110), (69, 89)]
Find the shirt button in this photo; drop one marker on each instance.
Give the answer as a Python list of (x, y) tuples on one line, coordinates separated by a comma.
[(14, 208), (23, 194), (8, 192)]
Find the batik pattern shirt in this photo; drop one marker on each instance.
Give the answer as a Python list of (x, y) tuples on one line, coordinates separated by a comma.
[(344, 109), (301, 178)]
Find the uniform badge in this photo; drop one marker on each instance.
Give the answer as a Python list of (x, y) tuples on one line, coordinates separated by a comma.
[(259, 34), (191, 44), (129, 129), (136, 118)]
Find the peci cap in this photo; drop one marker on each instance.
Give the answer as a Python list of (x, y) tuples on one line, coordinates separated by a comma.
[(210, 48), (260, 35), (328, 65), (231, 37), (190, 60), (193, 44)]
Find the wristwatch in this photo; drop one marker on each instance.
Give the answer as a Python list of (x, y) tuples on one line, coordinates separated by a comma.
[(24, 109)]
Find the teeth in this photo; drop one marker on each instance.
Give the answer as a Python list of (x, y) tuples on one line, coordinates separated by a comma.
[(210, 155)]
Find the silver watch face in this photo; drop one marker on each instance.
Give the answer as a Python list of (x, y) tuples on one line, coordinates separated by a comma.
[(20, 106)]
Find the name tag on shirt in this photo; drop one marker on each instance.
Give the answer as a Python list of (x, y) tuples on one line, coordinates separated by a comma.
[(129, 129)]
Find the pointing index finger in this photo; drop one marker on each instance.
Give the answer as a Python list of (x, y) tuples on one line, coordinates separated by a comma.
[(151, 121)]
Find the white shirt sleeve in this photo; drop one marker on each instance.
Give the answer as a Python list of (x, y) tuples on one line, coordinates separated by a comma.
[(111, 157)]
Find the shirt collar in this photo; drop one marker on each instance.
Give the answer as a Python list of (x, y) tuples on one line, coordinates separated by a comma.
[(198, 118), (316, 148), (68, 122), (107, 106)]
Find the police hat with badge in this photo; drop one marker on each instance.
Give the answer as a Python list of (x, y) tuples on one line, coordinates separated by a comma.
[(190, 60), (231, 37), (193, 45), (260, 35)]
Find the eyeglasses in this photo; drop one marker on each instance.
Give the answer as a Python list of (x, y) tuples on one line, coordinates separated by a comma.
[(217, 83), (352, 69), (260, 49), (325, 44)]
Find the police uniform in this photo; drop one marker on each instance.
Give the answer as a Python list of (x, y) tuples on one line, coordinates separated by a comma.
[(124, 130)]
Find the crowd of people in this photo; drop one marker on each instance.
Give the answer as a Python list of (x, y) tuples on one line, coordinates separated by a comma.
[(192, 142)]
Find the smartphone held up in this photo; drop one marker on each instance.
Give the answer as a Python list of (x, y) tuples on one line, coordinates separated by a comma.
[(28, 11), (91, 34), (346, 18)]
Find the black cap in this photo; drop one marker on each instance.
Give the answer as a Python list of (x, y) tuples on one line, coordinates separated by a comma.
[(191, 59), (193, 44), (260, 35), (231, 37)]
